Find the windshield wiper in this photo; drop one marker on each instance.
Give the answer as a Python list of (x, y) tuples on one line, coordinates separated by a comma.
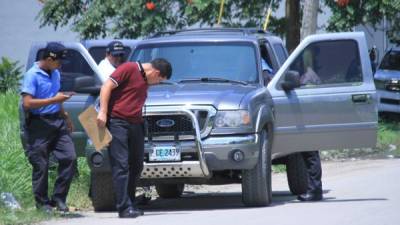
[(213, 79)]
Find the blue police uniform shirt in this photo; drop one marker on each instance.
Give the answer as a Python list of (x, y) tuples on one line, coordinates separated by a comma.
[(265, 66), (41, 86)]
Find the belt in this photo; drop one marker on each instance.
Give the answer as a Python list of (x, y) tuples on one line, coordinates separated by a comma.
[(46, 116)]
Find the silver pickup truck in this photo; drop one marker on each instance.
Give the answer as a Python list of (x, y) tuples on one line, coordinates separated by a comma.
[(220, 119)]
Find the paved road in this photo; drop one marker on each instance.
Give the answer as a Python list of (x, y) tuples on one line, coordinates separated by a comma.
[(356, 192)]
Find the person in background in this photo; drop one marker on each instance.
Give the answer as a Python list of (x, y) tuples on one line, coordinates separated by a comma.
[(47, 128), (115, 56), (122, 97), (372, 57), (312, 159), (268, 72)]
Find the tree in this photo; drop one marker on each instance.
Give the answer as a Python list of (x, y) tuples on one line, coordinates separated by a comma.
[(138, 18), (293, 24), (310, 18), (348, 14)]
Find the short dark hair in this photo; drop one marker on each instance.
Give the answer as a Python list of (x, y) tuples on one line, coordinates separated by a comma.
[(163, 66)]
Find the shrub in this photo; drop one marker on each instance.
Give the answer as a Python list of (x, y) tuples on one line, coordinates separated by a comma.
[(10, 75)]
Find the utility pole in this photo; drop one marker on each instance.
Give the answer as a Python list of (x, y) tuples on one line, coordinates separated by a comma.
[(310, 17)]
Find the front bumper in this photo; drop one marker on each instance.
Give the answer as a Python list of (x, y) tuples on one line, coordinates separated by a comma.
[(217, 153)]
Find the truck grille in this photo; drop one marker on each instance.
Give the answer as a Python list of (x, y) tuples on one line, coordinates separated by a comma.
[(177, 123), (174, 125)]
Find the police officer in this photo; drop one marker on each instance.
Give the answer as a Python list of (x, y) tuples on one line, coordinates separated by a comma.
[(48, 128), (122, 98)]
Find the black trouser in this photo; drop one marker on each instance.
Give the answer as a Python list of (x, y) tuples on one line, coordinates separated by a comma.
[(45, 135), (126, 157), (313, 165)]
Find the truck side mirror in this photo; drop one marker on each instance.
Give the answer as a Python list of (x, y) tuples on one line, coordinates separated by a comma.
[(87, 85), (291, 81)]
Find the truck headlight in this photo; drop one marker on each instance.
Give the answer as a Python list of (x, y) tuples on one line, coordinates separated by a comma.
[(232, 119)]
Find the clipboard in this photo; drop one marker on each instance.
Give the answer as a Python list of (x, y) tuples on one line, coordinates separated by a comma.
[(100, 136)]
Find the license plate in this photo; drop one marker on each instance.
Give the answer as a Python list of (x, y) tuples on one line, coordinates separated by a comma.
[(165, 153)]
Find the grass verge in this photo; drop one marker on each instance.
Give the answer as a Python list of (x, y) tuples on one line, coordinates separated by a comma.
[(15, 170)]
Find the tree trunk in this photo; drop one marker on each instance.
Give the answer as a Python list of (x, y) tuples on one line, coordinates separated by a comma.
[(293, 24), (310, 16)]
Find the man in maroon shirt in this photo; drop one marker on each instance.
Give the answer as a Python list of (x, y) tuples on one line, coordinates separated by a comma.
[(121, 100)]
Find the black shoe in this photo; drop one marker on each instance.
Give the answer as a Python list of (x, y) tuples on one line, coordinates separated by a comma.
[(60, 205), (310, 196), (46, 208), (130, 213)]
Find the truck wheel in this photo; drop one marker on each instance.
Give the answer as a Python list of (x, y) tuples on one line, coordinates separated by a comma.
[(170, 190), (256, 182), (101, 192), (297, 175)]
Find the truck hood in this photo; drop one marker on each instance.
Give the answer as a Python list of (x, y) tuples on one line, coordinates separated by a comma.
[(223, 96)]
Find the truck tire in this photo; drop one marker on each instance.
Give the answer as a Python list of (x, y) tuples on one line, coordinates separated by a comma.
[(297, 175), (256, 182), (101, 192), (170, 190)]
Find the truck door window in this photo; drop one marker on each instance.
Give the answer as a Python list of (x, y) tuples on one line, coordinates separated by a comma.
[(74, 66), (281, 53), (266, 65), (329, 63)]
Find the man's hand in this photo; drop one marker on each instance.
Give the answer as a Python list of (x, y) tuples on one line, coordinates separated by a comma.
[(101, 119), (61, 97)]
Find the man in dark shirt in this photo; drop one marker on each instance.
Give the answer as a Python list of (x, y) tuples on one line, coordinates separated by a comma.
[(122, 97)]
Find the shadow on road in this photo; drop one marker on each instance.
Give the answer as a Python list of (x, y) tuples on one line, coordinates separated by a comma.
[(211, 201), (335, 200)]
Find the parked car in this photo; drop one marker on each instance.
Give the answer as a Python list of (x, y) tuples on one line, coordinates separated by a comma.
[(218, 121), (387, 82)]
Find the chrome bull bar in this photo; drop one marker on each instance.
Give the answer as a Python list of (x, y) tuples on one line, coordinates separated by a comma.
[(177, 169)]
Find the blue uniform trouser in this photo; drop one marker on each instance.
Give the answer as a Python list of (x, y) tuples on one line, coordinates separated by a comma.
[(45, 135), (313, 165), (126, 157)]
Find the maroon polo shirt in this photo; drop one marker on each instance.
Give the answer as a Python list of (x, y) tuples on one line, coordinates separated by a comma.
[(127, 99)]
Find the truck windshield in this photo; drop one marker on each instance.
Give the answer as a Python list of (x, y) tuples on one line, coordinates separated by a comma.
[(391, 61), (233, 61)]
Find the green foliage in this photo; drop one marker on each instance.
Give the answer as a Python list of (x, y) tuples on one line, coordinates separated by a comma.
[(280, 168), (132, 19), (363, 12), (389, 134), (10, 75), (15, 170)]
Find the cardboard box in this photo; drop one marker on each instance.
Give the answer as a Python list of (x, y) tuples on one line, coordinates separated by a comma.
[(100, 136)]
